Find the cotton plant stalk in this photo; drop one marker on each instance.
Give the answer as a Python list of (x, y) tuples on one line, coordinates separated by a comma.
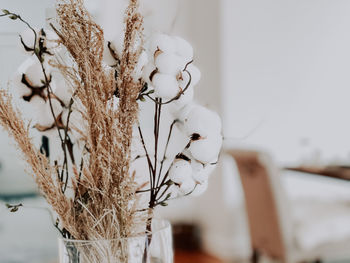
[(87, 93)]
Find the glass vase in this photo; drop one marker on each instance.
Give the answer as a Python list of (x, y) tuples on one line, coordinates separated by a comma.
[(155, 247)]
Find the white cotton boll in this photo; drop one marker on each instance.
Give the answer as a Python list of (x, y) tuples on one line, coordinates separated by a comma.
[(163, 42), (174, 191), (75, 118), (183, 48), (34, 72), (45, 118), (28, 39), (27, 63), (200, 172), (115, 46), (180, 171), (165, 86), (76, 123), (147, 71), (62, 90), (169, 63), (200, 189), (195, 74), (185, 98), (187, 186), (202, 121), (206, 150), (142, 62), (185, 77), (55, 105), (51, 39), (107, 54), (16, 81), (118, 44), (113, 103), (38, 104), (182, 113), (20, 89)]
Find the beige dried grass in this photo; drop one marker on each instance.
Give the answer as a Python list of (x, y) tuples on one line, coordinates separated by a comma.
[(109, 131), (104, 201)]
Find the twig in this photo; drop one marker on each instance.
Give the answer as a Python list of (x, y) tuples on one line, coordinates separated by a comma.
[(165, 151), (147, 155)]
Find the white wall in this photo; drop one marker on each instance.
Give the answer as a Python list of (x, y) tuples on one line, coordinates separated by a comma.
[(286, 82)]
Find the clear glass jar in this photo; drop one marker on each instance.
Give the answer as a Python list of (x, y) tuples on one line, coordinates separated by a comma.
[(155, 247)]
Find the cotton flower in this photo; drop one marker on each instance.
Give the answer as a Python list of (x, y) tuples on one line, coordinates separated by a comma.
[(109, 52), (29, 78), (16, 81), (207, 149), (147, 71), (38, 104), (195, 75), (44, 116), (169, 63), (27, 39), (183, 48), (187, 186), (202, 121), (180, 171), (51, 39), (185, 98), (182, 113), (162, 42), (34, 72), (113, 103), (174, 191), (200, 188), (143, 60), (201, 172), (48, 38), (76, 123), (63, 91), (165, 86), (21, 90)]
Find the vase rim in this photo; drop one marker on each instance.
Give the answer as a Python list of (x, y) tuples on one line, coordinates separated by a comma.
[(162, 228)]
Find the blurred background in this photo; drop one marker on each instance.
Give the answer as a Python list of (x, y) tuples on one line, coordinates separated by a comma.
[(278, 74)]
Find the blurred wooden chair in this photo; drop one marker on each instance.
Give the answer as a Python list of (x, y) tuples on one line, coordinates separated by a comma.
[(269, 215)]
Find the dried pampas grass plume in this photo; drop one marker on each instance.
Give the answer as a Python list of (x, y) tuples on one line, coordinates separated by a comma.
[(102, 203), (106, 180), (12, 121)]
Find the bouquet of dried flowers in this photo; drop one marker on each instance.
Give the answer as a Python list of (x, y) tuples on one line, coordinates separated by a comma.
[(88, 94)]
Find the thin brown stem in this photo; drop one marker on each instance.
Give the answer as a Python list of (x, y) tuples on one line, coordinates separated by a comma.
[(157, 114), (165, 151), (145, 149)]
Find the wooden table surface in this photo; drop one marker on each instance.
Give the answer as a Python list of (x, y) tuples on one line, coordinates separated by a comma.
[(194, 257), (338, 172)]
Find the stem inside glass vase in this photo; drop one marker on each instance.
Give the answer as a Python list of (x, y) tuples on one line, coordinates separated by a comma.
[(152, 247)]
